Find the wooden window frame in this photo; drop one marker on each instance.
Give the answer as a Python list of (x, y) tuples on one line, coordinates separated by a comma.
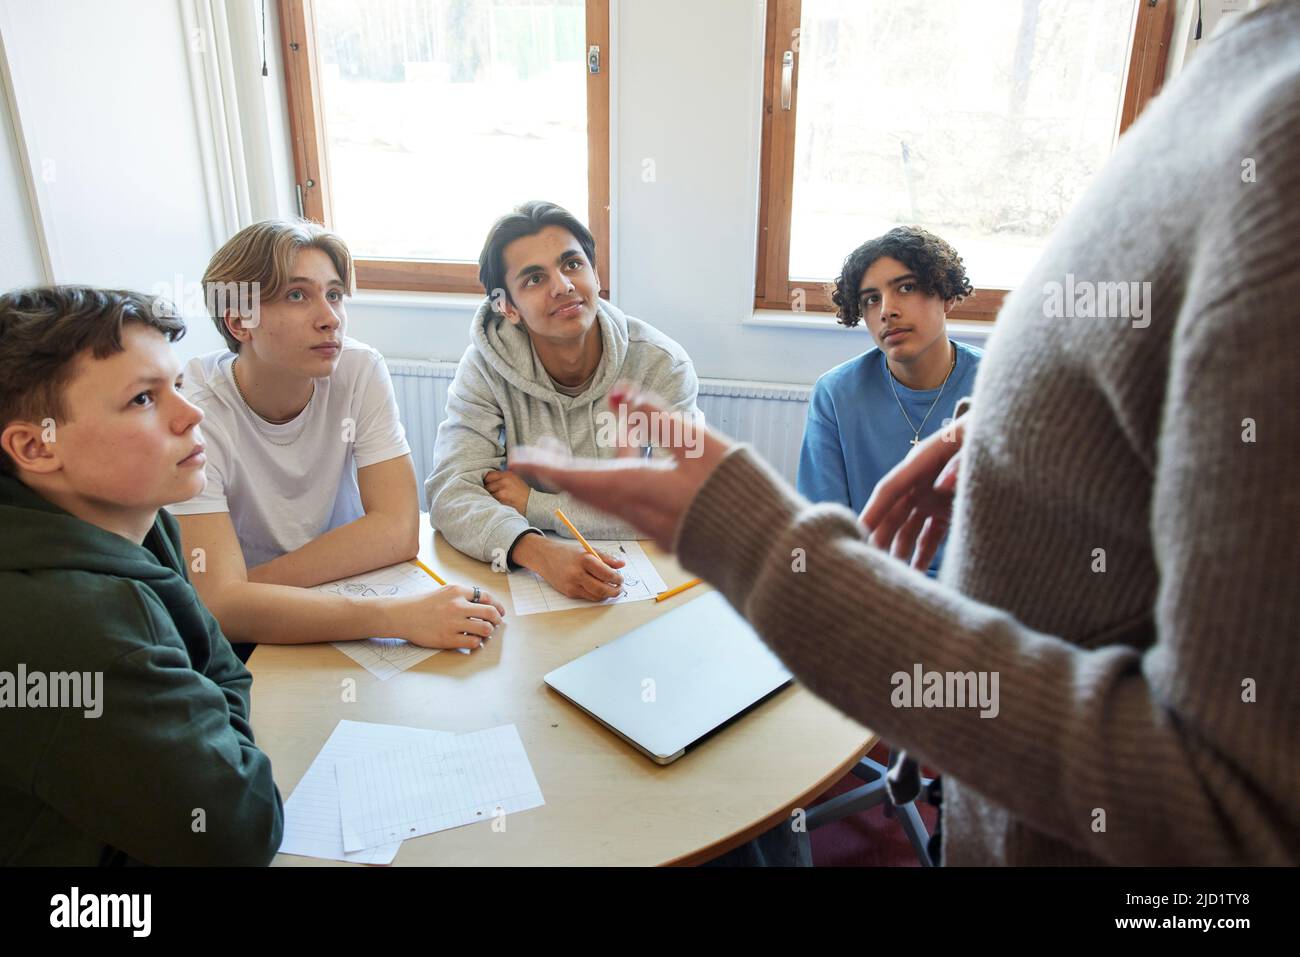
[(774, 289), (311, 157)]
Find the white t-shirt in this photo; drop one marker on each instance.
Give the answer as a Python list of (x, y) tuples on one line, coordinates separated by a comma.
[(285, 485)]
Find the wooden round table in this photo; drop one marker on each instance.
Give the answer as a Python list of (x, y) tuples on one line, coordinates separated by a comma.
[(606, 802)]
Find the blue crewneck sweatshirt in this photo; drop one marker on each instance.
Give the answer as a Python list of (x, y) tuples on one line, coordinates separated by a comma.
[(856, 431)]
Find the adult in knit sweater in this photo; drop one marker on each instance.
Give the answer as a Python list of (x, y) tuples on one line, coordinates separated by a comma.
[(1126, 522)]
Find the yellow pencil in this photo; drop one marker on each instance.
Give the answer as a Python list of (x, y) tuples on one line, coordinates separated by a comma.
[(678, 590), (429, 571), (576, 534)]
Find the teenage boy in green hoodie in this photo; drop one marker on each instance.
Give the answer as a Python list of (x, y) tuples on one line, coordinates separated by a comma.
[(124, 714)]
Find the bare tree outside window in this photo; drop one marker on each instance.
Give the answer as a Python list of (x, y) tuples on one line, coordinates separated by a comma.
[(982, 122)]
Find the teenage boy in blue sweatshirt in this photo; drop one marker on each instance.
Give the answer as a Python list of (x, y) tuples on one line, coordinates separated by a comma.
[(867, 414), (124, 714)]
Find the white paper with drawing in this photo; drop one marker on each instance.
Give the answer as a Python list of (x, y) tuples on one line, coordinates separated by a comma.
[(313, 824), (531, 594), (434, 785), (384, 657)]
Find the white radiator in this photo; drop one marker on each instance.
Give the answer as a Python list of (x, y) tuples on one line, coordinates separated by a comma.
[(767, 415)]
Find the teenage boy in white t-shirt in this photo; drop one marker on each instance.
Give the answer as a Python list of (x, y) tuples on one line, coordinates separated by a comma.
[(310, 477)]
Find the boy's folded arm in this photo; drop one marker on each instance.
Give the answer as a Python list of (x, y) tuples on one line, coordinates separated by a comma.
[(168, 772), (460, 506), (388, 533), (464, 511), (269, 614)]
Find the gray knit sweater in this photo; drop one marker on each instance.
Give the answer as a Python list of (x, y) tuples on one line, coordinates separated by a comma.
[(1126, 543)]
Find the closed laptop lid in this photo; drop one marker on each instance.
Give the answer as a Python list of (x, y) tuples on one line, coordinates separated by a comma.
[(670, 682)]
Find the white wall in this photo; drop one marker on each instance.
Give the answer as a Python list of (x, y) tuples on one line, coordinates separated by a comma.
[(110, 96), (20, 260), (102, 92), (688, 240)]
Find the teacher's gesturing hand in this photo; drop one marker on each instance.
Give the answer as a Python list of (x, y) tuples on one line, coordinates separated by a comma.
[(910, 509), (650, 493)]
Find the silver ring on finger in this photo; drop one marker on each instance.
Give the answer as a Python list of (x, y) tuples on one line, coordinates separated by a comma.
[(478, 592)]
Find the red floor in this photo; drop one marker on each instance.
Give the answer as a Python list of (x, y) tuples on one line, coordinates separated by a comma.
[(867, 839)]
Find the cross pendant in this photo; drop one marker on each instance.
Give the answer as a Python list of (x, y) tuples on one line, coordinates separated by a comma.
[(916, 441)]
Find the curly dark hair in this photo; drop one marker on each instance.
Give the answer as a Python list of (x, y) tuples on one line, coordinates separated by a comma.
[(939, 270)]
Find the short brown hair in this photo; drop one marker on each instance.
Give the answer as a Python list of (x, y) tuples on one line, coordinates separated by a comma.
[(263, 254), (939, 270), (42, 331)]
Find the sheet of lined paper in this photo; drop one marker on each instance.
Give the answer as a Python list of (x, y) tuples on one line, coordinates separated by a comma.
[(312, 822), (434, 785)]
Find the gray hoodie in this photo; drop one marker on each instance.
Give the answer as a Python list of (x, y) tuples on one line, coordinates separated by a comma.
[(502, 398)]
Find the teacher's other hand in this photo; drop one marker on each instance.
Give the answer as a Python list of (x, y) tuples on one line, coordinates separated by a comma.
[(650, 494), (910, 509)]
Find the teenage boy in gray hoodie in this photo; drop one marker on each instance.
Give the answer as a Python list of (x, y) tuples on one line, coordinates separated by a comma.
[(545, 351)]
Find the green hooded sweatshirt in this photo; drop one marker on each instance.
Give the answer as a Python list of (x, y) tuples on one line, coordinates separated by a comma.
[(124, 728)]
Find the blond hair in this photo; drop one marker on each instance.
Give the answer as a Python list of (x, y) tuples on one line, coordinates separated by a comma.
[(260, 258)]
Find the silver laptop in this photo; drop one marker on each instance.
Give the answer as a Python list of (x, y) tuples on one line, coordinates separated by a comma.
[(672, 682)]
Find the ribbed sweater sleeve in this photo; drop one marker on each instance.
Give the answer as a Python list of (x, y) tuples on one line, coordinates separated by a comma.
[(1071, 721)]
